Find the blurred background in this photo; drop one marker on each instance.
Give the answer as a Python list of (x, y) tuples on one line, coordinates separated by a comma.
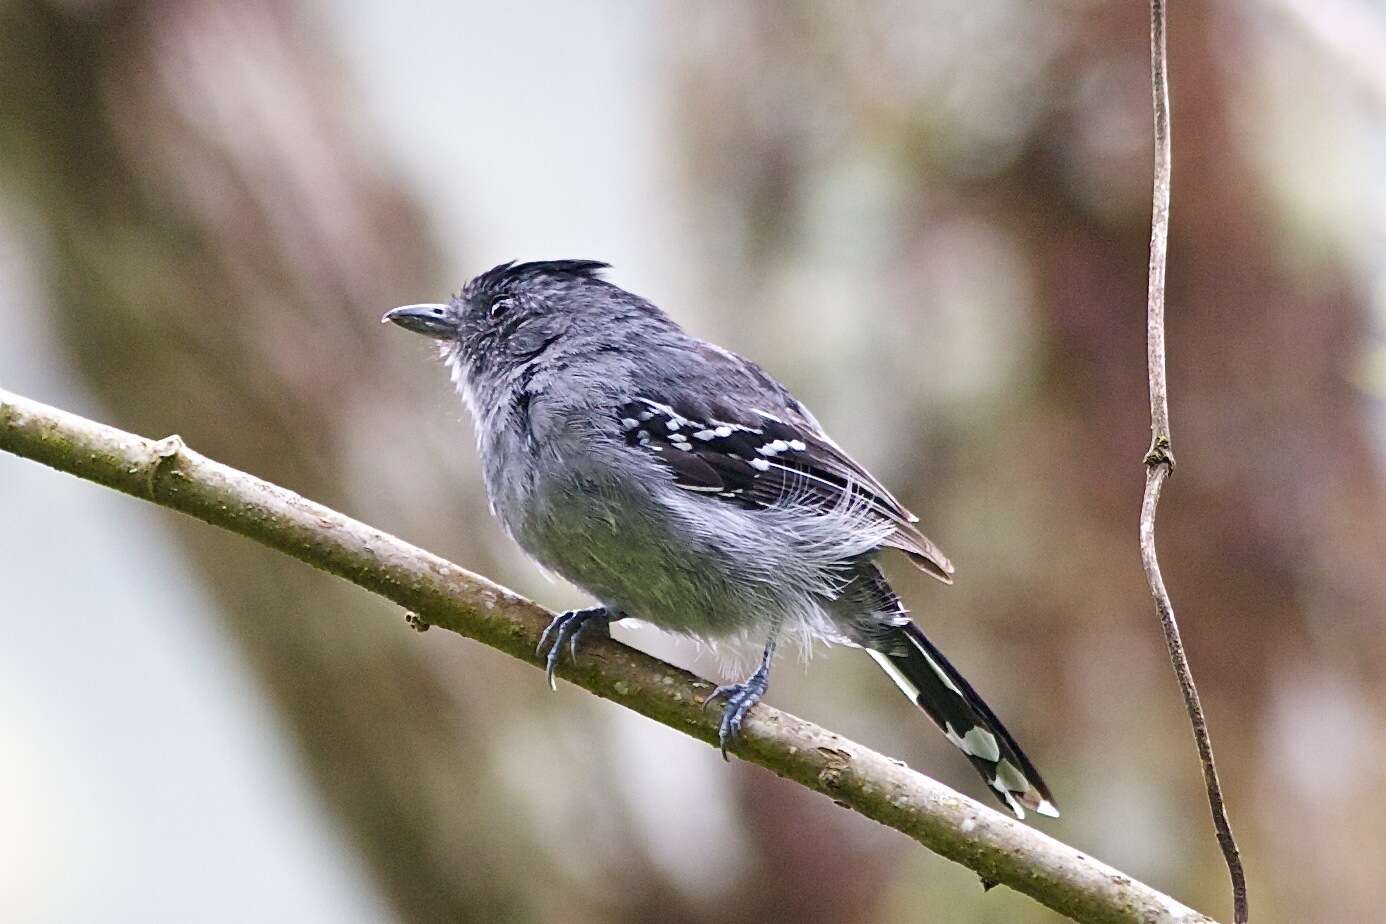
[(929, 218)]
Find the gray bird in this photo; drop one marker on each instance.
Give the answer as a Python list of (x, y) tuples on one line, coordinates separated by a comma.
[(678, 483)]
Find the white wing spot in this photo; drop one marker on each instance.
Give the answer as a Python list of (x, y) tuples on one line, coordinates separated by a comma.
[(978, 742), (981, 743), (760, 465), (1010, 800), (1008, 776)]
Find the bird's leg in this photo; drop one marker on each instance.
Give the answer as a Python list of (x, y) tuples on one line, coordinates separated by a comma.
[(569, 627), (741, 697)]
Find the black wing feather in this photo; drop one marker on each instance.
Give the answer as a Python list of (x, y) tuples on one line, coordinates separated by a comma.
[(758, 459)]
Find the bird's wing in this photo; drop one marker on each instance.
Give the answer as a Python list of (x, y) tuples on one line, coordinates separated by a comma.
[(764, 454)]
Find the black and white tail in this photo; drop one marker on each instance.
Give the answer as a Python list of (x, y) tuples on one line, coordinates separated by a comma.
[(924, 674)]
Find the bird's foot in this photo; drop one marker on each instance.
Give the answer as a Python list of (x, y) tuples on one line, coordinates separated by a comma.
[(569, 627), (740, 698)]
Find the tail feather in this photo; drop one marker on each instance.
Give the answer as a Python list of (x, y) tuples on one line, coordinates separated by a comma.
[(924, 675)]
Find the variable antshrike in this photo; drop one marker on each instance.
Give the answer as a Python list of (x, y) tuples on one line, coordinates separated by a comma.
[(680, 484)]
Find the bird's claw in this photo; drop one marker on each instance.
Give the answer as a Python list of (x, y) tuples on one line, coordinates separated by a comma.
[(740, 698), (569, 627)]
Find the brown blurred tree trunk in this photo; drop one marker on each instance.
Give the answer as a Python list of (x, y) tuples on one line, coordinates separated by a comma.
[(220, 246)]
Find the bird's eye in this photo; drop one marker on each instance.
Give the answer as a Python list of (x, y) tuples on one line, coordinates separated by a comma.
[(501, 305)]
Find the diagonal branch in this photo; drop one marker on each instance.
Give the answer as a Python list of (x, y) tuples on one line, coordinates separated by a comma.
[(1159, 461), (436, 592)]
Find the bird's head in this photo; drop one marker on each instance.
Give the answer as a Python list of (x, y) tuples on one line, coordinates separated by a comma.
[(518, 314), (512, 313)]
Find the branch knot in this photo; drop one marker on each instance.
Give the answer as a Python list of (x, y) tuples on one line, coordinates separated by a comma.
[(1160, 453), (159, 453)]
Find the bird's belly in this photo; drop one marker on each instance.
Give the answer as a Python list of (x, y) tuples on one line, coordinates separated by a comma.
[(631, 551)]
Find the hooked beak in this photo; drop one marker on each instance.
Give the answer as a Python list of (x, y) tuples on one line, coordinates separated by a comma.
[(434, 321)]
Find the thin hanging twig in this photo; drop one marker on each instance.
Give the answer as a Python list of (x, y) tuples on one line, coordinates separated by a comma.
[(1159, 461)]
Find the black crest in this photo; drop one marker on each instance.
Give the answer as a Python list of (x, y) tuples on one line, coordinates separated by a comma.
[(501, 278)]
